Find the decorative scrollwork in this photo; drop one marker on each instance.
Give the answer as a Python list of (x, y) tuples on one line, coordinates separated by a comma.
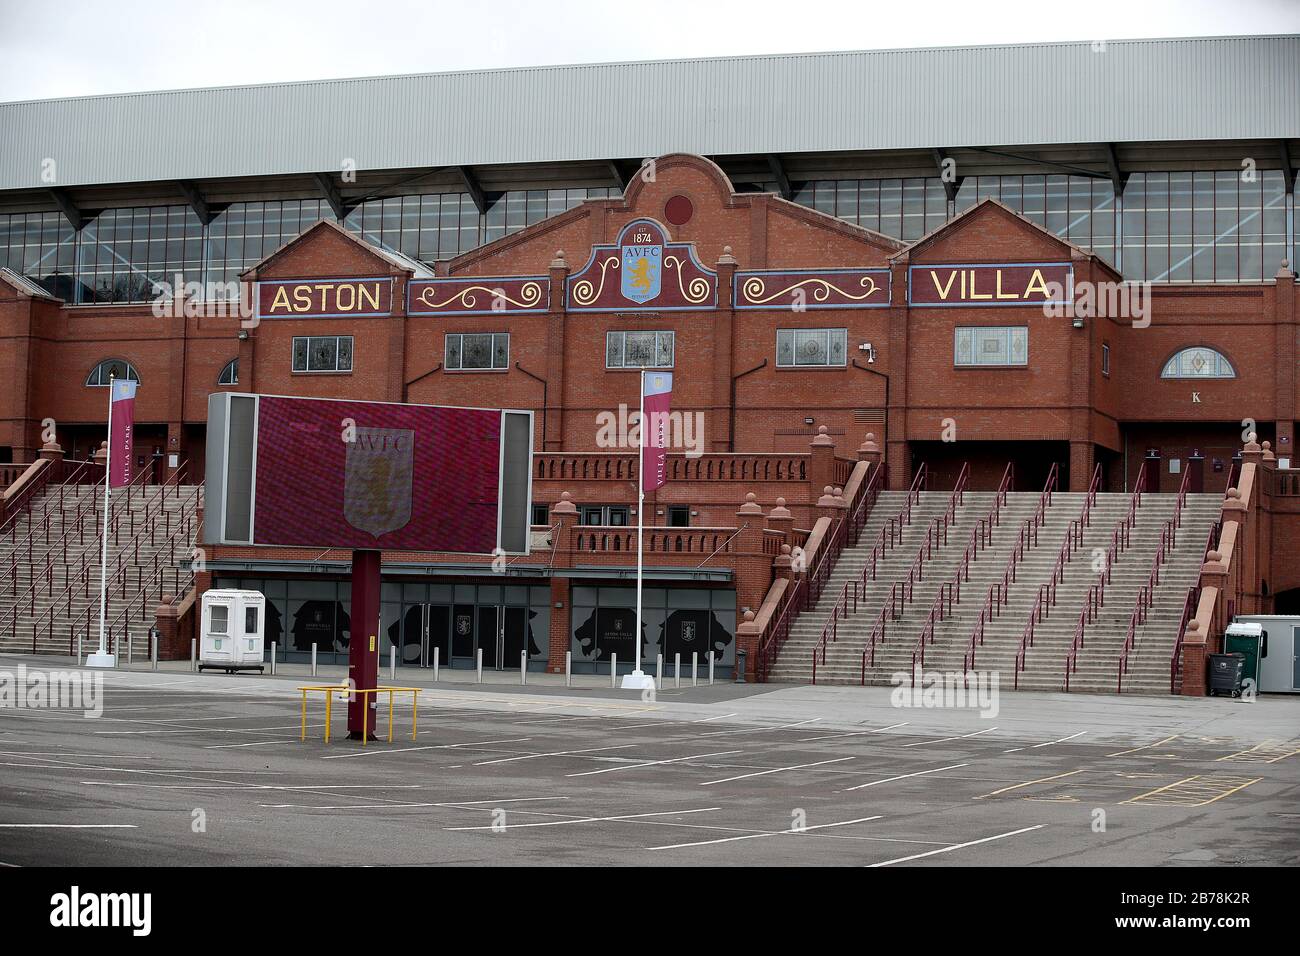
[(695, 291), (585, 292), (530, 293), (754, 289)]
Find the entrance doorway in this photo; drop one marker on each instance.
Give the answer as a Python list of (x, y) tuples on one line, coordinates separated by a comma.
[(460, 631)]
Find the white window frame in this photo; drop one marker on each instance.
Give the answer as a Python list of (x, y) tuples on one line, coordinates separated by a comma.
[(459, 338), (322, 371), (841, 336), (976, 331), (620, 336)]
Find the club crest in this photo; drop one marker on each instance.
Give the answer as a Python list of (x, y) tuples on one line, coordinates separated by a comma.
[(377, 480), (642, 263)]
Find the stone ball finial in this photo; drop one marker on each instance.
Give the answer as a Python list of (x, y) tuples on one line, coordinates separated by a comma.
[(565, 505), (1233, 493), (558, 262), (822, 438), (751, 506), (780, 511), (1193, 626), (749, 616), (785, 550), (1213, 556)]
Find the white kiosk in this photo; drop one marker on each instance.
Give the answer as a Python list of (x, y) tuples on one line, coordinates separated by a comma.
[(1279, 658), (233, 627)]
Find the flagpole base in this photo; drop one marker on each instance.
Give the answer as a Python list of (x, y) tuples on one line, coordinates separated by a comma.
[(638, 680), (101, 660)]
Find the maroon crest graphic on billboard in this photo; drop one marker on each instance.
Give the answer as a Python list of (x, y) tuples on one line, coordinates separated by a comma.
[(377, 476), (642, 271)]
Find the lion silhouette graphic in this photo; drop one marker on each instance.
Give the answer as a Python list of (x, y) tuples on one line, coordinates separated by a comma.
[(640, 275)]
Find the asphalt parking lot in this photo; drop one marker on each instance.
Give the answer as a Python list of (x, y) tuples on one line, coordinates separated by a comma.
[(188, 769)]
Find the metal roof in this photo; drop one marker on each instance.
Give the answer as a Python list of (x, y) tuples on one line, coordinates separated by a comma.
[(1222, 88)]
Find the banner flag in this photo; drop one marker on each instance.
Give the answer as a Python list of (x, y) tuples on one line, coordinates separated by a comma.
[(656, 399), (121, 442)]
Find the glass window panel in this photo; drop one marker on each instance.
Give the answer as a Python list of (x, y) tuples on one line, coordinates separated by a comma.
[(453, 351), (299, 354), (500, 350), (784, 347), (613, 349), (345, 353), (476, 350)]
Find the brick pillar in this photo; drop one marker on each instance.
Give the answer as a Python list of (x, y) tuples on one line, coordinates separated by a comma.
[(753, 572), (780, 519), (555, 366), (1195, 651), (564, 516), (722, 324), (869, 451), (1082, 462), (821, 467)]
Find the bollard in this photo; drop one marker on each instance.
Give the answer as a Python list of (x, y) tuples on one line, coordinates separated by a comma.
[(117, 650), (695, 668), (659, 671), (613, 670), (568, 668), (436, 653), (392, 662), (194, 654), (523, 667), (479, 656), (710, 668), (313, 659), (130, 649), (273, 643), (79, 656), (677, 669), (153, 647), (740, 667)]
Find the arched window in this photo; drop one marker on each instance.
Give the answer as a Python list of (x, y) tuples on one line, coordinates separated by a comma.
[(1198, 362), (230, 374), (112, 368)]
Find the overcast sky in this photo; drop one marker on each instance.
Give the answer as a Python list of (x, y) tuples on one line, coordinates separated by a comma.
[(54, 48)]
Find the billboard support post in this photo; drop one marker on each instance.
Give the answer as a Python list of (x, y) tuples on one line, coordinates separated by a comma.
[(363, 647)]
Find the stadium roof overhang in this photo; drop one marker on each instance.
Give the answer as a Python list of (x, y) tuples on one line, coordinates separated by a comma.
[(1098, 108)]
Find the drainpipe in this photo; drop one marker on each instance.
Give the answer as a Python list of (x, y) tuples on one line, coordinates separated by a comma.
[(544, 386), (731, 422)]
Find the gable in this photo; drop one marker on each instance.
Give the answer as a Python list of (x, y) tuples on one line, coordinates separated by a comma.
[(325, 250)]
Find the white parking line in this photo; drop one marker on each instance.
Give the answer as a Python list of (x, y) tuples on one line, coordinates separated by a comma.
[(903, 776), (563, 823), (653, 763), (939, 740), (402, 750), (769, 833), (68, 826), (1060, 741), (958, 846), (759, 730), (554, 753), (856, 733), (763, 773)]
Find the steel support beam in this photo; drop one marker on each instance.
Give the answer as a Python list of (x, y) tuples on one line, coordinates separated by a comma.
[(331, 194), (778, 173), (1288, 168), (68, 208), (950, 187), (197, 202), (1118, 178), (473, 188)]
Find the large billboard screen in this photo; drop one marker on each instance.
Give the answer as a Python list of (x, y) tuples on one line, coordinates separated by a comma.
[(324, 473)]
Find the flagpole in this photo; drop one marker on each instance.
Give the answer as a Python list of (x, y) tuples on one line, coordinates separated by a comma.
[(102, 658), (637, 680), (640, 519)]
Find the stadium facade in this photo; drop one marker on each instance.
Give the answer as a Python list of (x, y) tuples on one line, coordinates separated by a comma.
[(1057, 256)]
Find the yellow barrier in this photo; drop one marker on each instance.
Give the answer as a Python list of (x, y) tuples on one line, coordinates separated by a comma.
[(329, 690)]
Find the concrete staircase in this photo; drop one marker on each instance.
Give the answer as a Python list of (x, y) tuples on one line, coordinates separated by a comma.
[(1096, 663), (155, 548)]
